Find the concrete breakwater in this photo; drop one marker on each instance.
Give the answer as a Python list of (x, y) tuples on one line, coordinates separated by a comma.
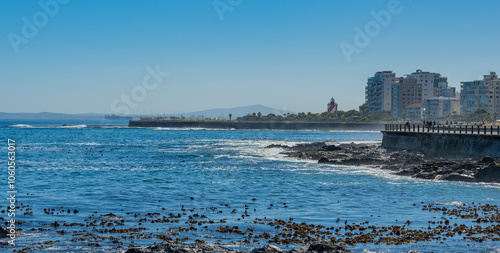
[(443, 141), (273, 125)]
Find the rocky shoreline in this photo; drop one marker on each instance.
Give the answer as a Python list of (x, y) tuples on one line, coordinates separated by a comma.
[(400, 162), (170, 247)]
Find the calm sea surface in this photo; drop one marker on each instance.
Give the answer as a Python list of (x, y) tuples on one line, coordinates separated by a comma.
[(131, 172)]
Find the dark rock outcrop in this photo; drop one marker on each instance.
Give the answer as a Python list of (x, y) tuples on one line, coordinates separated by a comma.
[(330, 148), (268, 249), (278, 146), (168, 247), (486, 160), (405, 163), (319, 248), (489, 173), (3, 232)]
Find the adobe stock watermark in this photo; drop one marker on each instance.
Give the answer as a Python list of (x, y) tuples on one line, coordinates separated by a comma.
[(223, 6), (126, 102), (372, 29), (30, 26), (12, 192)]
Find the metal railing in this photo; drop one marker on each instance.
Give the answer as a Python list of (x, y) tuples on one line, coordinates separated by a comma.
[(450, 129)]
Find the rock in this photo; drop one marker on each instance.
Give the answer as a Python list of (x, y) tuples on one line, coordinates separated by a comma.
[(268, 249), (138, 250), (168, 247), (300, 250), (489, 173), (323, 160), (330, 148), (486, 160), (455, 177), (391, 167), (3, 232), (321, 248), (304, 147), (278, 146), (401, 162)]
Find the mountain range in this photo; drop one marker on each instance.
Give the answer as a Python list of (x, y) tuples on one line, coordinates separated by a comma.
[(211, 113)]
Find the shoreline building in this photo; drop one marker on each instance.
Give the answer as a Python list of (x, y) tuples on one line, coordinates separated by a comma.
[(378, 93), (438, 107), (414, 111), (406, 91), (417, 88), (433, 84), (388, 95), (482, 94), (427, 80)]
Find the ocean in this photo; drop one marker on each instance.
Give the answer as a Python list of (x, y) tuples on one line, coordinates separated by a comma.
[(88, 189)]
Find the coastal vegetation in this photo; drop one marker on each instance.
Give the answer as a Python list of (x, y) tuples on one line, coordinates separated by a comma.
[(365, 115), (340, 116), (480, 116)]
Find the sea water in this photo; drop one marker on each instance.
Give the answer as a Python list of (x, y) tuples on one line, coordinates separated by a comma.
[(128, 171)]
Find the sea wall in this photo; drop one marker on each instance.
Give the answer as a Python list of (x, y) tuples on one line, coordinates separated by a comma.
[(444, 143), (274, 125)]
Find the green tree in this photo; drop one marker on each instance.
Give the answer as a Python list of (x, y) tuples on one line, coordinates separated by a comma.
[(271, 116), (363, 109), (352, 113), (340, 115)]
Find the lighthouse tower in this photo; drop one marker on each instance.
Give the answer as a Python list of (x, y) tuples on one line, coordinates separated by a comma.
[(332, 106)]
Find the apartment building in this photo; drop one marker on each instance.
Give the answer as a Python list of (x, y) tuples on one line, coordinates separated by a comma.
[(378, 93), (482, 94)]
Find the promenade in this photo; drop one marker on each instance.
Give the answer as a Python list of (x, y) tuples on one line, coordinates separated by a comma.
[(443, 129), (444, 140)]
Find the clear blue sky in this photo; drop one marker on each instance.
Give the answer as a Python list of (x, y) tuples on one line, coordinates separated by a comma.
[(281, 53)]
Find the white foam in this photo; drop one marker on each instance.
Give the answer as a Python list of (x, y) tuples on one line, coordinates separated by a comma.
[(450, 203), (75, 126), (186, 128), (22, 126), (360, 142)]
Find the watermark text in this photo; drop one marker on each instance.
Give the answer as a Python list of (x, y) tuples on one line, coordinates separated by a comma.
[(139, 93), (223, 6), (372, 29), (11, 210), (30, 26)]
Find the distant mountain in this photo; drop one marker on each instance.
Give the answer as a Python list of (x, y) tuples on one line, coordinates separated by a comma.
[(212, 113), (236, 112)]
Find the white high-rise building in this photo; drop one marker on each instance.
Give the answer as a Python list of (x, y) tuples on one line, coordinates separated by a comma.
[(433, 84), (378, 93)]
